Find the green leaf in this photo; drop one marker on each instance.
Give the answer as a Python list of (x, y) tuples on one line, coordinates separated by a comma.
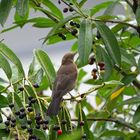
[(136, 117), (139, 64), (85, 41), (46, 65), (128, 79), (108, 65), (59, 25), (115, 133), (86, 127), (53, 8), (99, 7), (4, 50), (82, 2), (112, 82), (22, 7), (4, 64), (3, 133), (40, 134), (4, 102), (110, 41), (128, 57), (5, 7), (138, 14), (74, 47), (133, 100)]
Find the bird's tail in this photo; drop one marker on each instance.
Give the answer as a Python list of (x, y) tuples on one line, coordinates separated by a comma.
[(54, 107)]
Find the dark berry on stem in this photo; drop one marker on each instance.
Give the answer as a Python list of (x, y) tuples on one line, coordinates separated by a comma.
[(74, 32), (30, 109), (59, 2), (7, 123), (82, 123), (56, 127), (59, 132), (101, 64), (71, 9), (78, 25), (13, 124), (23, 126), (33, 101), (9, 118), (72, 23), (45, 121), (64, 37), (91, 60), (21, 88), (30, 130), (60, 34), (29, 122), (11, 105), (30, 98), (64, 122), (13, 120), (17, 113), (65, 10), (45, 127), (84, 136), (94, 70), (37, 126), (36, 85), (22, 109)]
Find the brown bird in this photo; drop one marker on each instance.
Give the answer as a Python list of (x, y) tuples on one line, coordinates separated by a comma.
[(64, 83)]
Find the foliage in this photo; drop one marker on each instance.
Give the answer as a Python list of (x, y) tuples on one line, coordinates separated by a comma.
[(107, 43)]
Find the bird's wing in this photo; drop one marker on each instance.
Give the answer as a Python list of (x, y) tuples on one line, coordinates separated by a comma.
[(63, 84)]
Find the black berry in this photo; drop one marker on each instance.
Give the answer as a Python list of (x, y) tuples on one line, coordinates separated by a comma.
[(37, 126), (11, 105), (84, 136), (71, 9), (17, 113), (13, 124), (72, 23), (30, 109), (9, 118), (56, 127), (65, 10), (33, 101), (36, 85), (64, 37), (30, 98), (74, 32), (7, 123), (77, 25), (23, 126), (94, 70), (29, 122), (45, 127), (82, 123), (22, 109), (21, 88), (45, 121), (30, 130), (13, 120), (64, 122)]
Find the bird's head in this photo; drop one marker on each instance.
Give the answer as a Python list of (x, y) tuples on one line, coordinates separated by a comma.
[(68, 58)]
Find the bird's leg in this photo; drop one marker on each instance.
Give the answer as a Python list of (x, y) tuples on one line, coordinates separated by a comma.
[(72, 97)]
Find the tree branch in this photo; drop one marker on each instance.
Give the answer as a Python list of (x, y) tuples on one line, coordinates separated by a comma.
[(123, 123)]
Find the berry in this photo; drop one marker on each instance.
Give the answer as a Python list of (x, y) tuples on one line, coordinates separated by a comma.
[(30, 130), (94, 76), (11, 105), (13, 120), (65, 10), (56, 127), (9, 118), (45, 121), (29, 122), (38, 117), (20, 88), (45, 127), (30, 109), (64, 122), (17, 113), (7, 123), (82, 123), (71, 9), (13, 124), (37, 126), (102, 68), (23, 126), (74, 32), (64, 37), (36, 85), (59, 2), (72, 23), (84, 136), (101, 64), (60, 34), (77, 25), (82, 95), (91, 60), (94, 70), (30, 98), (22, 109), (59, 132), (22, 115), (33, 101)]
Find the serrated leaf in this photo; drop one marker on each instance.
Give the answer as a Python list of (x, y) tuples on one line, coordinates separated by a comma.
[(110, 41), (4, 64), (4, 102), (59, 25), (136, 117), (85, 41), (22, 7), (5, 7), (4, 50), (46, 65), (53, 8)]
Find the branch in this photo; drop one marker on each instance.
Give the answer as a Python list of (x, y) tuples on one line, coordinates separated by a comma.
[(135, 82), (125, 124)]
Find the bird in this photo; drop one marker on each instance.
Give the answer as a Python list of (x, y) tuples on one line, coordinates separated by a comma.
[(65, 81)]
